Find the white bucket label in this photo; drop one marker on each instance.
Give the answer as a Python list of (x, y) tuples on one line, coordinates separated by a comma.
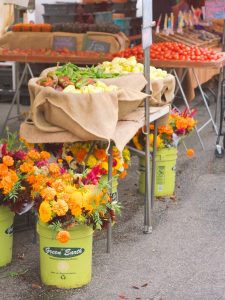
[(9, 230), (63, 252), (160, 175)]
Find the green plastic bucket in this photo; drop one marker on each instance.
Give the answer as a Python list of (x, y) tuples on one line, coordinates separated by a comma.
[(6, 235), (66, 265), (165, 174)]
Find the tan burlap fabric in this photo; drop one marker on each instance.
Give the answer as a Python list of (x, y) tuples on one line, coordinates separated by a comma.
[(44, 40), (87, 116), (124, 131), (162, 90)]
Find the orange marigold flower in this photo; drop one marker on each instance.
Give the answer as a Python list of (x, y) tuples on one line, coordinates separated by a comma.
[(100, 154), (31, 179), (45, 155), (54, 168), (3, 170), (48, 193), (34, 154), (190, 152), (58, 186), (8, 160), (60, 160), (8, 182), (27, 167), (68, 158), (60, 207), (126, 165), (63, 236), (80, 155), (181, 123), (45, 212), (123, 174)]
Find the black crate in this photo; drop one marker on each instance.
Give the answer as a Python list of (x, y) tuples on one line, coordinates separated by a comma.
[(95, 7), (119, 7), (52, 19)]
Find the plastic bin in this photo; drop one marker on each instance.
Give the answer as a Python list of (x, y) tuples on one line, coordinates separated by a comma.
[(6, 235), (66, 265), (52, 19), (165, 175), (103, 17), (124, 24), (60, 8)]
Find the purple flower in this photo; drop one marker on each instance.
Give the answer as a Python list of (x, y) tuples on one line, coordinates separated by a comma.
[(62, 170), (41, 163), (20, 155), (181, 131)]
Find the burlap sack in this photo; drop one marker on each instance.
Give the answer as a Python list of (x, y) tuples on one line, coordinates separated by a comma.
[(162, 90), (44, 40), (88, 116), (124, 131)]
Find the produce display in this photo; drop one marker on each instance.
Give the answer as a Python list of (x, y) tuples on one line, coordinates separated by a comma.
[(70, 78), (53, 53), (172, 51), (32, 27), (121, 65)]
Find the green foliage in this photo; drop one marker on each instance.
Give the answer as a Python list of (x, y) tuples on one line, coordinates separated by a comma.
[(75, 73)]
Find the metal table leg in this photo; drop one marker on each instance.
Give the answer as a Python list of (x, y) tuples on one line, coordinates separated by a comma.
[(109, 228), (206, 104), (218, 94), (16, 95), (17, 71), (154, 163), (188, 106)]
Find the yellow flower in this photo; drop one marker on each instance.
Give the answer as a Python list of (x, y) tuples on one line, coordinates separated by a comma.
[(104, 165), (68, 158), (45, 155), (54, 168), (34, 154), (117, 163), (126, 154), (45, 212), (60, 207), (92, 161), (48, 193)]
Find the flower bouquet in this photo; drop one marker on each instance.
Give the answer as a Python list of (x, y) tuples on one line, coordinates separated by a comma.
[(70, 205), (180, 125)]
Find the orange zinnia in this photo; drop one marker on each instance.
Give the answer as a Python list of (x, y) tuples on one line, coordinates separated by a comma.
[(34, 154), (54, 168), (26, 167), (68, 158), (3, 170), (8, 160), (100, 154), (123, 174), (45, 155), (80, 155), (190, 152), (63, 236), (60, 207), (48, 193)]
